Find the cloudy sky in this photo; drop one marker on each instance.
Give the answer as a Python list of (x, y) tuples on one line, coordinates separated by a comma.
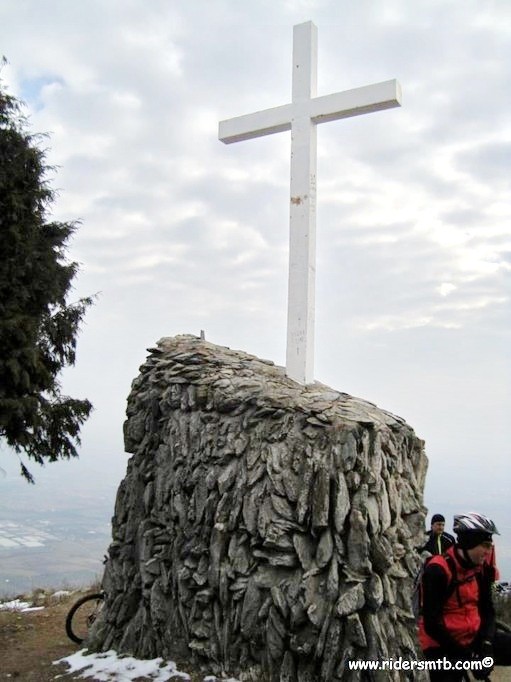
[(181, 233)]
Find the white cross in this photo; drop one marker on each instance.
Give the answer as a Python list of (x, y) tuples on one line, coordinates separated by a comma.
[(301, 117)]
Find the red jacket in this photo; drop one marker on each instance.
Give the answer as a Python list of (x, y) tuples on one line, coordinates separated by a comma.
[(460, 615)]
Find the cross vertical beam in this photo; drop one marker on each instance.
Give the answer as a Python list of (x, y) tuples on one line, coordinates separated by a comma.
[(301, 117), (302, 210)]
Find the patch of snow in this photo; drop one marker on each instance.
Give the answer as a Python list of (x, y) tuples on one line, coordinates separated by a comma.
[(110, 667), (33, 608), (18, 605), (28, 541), (8, 542), (61, 593), (113, 668)]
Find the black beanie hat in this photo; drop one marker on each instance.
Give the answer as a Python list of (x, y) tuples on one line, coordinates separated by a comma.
[(471, 538), (437, 518)]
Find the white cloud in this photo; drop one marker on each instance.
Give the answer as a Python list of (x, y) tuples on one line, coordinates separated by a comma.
[(446, 288)]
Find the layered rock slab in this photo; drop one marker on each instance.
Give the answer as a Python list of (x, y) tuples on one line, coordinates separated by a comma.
[(263, 527)]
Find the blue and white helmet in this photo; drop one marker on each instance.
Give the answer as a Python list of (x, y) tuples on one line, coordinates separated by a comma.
[(472, 521)]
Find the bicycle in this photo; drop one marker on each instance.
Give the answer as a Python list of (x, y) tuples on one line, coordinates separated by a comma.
[(82, 616)]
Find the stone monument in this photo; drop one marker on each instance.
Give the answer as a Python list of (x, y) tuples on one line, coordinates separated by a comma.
[(265, 529)]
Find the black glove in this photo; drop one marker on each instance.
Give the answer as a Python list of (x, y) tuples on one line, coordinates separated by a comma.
[(480, 674), (486, 649), (485, 655)]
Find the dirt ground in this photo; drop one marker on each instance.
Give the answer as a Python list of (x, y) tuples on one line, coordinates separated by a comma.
[(30, 642)]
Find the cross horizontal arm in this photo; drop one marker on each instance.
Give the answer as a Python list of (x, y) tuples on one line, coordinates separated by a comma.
[(267, 122), (377, 97)]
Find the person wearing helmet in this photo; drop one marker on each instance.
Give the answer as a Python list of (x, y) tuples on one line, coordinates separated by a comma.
[(438, 540), (458, 618)]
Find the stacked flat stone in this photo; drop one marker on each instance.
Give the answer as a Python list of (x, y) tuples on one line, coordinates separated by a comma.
[(264, 528)]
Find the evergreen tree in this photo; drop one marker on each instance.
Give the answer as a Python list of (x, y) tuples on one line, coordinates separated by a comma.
[(38, 327)]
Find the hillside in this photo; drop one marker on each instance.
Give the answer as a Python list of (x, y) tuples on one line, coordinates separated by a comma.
[(31, 641)]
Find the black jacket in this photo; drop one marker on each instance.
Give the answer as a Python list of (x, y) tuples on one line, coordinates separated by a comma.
[(437, 544)]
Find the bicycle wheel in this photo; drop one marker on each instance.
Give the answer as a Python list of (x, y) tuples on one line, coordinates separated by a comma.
[(82, 615)]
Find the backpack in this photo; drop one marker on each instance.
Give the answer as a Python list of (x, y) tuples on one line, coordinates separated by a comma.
[(453, 585)]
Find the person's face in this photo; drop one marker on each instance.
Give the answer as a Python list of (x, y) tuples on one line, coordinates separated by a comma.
[(438, 527), (480, 553)]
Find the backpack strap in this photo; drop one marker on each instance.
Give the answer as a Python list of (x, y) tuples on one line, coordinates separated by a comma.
[(455, 583)]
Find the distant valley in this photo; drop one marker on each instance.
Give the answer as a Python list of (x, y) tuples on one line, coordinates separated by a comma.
[(53, 534)]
